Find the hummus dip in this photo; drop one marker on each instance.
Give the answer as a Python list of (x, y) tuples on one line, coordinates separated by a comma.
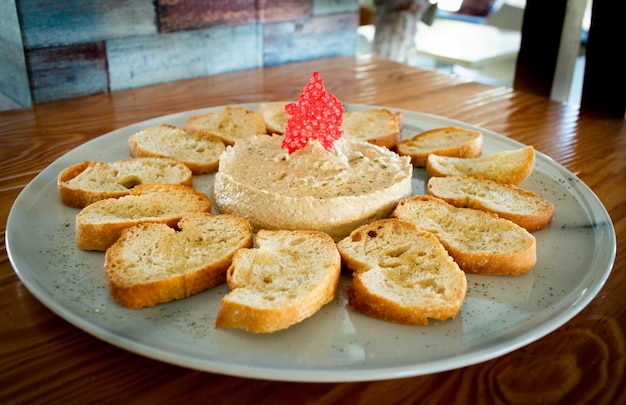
[(332, 191)]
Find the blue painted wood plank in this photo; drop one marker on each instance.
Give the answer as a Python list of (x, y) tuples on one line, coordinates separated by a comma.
[(184, 15), (326, 7), (311, 38), (64, 72), (10, 29), (63, 22), (140, 61), (280, 10), (14, 81)]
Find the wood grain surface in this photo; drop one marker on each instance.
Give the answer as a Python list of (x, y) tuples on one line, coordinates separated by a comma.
[(44, 359)]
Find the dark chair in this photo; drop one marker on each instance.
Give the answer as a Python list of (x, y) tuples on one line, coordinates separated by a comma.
[(551, 32)]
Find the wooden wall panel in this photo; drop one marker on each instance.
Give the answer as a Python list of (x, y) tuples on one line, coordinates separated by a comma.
[(280, 10), (13, 74), (182, 15), (70, 71), (14, 84), (309, 38), (325, 7), (78, 47), (140, 61), (62, 22)]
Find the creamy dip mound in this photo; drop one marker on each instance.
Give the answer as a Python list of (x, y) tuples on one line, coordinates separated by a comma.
[(332, 191)]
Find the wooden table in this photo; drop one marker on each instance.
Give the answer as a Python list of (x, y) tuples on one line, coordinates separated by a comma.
[(44, 359)]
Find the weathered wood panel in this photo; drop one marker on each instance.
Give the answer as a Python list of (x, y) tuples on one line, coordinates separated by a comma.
[(182, 15), (68, 71), (14, 85), (62, 22), (140, 61), (279, 10), (13, 74), (309, 38), (325, 7)]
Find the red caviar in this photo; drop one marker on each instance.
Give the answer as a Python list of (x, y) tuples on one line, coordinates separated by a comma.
[(317, 114)]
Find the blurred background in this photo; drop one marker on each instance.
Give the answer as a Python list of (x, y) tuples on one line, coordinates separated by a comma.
[(58, 49), (474, 39)]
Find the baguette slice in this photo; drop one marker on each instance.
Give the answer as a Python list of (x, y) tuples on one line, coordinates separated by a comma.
[(523, 207), (229, 125), (153, 263), (274, 117), (85, 183), (377, 126), (100, 224), (198, 152), (447, 141), (401, 273), (480, 242), (288, 278), (511, 166)]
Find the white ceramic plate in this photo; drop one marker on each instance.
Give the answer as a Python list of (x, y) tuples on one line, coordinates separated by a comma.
[(500, 314)]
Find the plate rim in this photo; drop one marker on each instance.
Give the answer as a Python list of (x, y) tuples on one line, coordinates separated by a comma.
[(322, 374)]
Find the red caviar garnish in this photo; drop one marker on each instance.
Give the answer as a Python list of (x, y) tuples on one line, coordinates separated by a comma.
[(317, 114)]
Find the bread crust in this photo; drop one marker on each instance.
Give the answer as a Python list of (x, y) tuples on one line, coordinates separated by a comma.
[(523, 207), (199, 152), (446, 141), (480, 242), (114, 180), (100, 224), (280, 283), (229, 125), (135, 281), (377, 126), (274, 116), (401, 273), (511, 166)]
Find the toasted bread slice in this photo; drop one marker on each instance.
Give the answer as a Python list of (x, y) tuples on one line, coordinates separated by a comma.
[(100, 224), (480, 242), (377, 126), (511, 166), (198, 152), (85, 183), (288, 278), (229, 125), (274, 117), (153, 263), (523, 207), (401, 273), (448, 141)]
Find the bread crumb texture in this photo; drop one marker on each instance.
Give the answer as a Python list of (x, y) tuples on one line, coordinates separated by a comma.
[(154, 263), (287, 278), (446, 141), (100, 224), (87, 182), (479, 242), (508, 201), (509, 166), (198, 151), (401, 273), (231, 124)]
